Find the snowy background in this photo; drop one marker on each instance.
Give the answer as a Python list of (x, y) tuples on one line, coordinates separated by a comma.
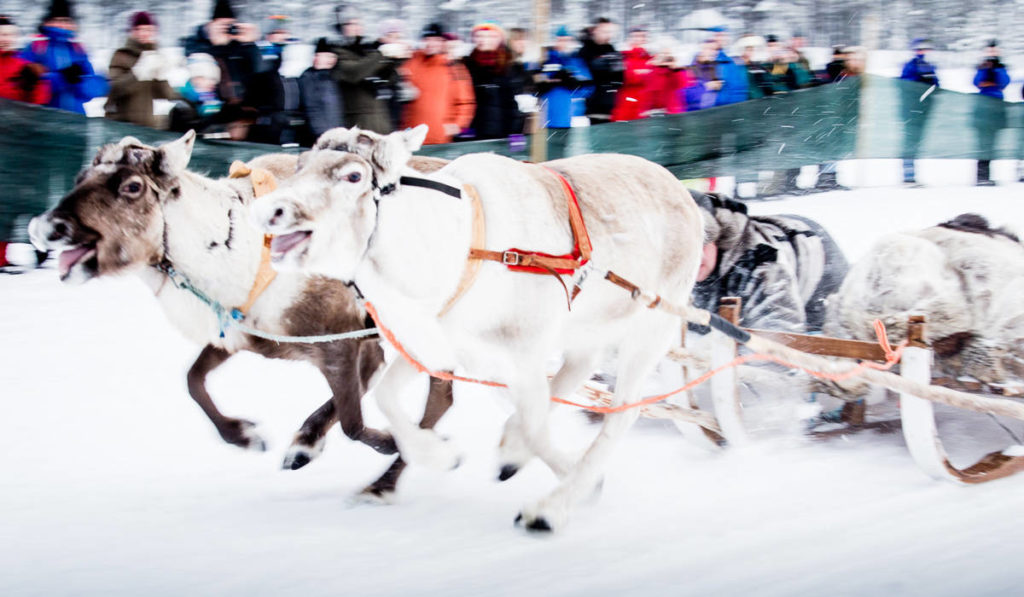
[(114, 483)]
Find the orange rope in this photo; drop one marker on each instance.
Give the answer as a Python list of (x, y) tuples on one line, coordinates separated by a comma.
[(892, 356)]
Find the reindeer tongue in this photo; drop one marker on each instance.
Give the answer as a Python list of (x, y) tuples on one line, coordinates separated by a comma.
[(70, 257), (286, 242)]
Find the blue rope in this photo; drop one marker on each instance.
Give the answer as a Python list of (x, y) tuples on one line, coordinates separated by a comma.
[(234, 317)]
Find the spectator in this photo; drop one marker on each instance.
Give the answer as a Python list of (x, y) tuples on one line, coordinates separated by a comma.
[(563, 82), (733, 76), (365, 76), (443, 90), (138, 74), (796, 45), (787, 72), (497, 80), (19, 79), (395, 46), (272, 108), (707, 82), (233, 46), (70, 75), (783, 267), (991, 77), (321, 98), (273, 44), (199, 107), (634, 96), (759, 80), (915, 107), (668, 83), (606, 67), (989, 116), (835, 68)]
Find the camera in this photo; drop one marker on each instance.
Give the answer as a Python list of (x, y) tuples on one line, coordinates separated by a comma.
[(234, 29)]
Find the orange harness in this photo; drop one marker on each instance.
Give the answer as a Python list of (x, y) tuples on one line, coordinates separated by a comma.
[(263, 182), (518, 260)]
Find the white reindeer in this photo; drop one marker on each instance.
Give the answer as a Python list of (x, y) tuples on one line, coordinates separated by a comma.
[(406, 251)]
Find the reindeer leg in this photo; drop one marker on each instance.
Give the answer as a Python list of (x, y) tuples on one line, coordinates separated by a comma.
[(639, 354), (310, 438), (234, 431), (439, 400), (348, 390)]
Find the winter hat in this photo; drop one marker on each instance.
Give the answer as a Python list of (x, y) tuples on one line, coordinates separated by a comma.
[(322, 46), (489, 26), (921, 43), (276, 23), (6, 20), (59, 9), (772, 38), (433, 30), (141, 18), (992, 43), (638, 29), (223, 10), (562, 31), (389, 26), (451, 37), (203, 65)]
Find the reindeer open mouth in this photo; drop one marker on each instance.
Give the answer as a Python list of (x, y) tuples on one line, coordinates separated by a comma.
[(81, 254), (283, 244)]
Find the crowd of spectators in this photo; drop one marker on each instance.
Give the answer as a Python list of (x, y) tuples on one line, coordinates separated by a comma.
[(235, 88)]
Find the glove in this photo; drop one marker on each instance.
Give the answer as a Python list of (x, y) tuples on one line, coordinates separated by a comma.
[(28, 78), (72, 74), (149, 67)]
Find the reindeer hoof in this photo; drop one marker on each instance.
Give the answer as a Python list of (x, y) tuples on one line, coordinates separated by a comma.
[(300, 454), (539, 525), (243, 434), (374, 494), (507, 472)]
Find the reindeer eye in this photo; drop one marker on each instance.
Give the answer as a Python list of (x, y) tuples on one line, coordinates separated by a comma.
[(132, 188), (354, 177)]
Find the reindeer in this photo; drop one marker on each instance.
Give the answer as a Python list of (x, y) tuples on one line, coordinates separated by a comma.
[(351, 215), (137, 206)]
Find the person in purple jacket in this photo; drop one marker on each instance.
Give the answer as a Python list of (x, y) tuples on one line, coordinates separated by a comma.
[(70, 74)]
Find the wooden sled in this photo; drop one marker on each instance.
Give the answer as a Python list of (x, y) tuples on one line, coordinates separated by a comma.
[(917, 418)]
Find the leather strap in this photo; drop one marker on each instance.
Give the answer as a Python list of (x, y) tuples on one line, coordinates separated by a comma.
[(263, 182), (479, 238)]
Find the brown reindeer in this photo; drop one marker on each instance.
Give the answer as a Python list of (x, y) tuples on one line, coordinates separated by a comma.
[(136, 207)]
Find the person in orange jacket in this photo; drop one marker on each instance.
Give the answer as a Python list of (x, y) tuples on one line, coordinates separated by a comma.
[(444, 91)]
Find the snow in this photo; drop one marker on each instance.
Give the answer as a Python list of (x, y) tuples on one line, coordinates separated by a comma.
[(114, 483)]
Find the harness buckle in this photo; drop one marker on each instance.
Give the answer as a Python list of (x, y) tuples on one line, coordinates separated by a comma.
[(511, 258)]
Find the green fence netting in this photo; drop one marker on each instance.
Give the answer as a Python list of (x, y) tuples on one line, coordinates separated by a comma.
[(41, 150)]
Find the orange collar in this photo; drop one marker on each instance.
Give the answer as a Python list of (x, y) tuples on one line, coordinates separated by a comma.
[(263, 182)]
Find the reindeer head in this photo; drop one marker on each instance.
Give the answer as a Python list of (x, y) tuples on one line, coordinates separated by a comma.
[(322, 217), (113, 218), (387, 154)]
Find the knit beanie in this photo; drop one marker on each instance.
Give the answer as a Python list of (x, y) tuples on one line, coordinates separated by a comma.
[(203, 65), (223, 10), (59, 9), (141, 18)]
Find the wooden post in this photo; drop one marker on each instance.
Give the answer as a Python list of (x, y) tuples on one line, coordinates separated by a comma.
[(724, 388)]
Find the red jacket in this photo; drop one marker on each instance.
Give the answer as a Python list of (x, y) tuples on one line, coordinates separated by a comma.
[(13, 74), (633, 98), (667, 89)]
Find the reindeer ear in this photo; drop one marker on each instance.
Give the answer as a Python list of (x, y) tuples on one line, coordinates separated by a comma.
[(177, 154), (414, 137)]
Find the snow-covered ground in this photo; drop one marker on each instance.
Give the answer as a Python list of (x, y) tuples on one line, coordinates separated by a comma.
[(114, 483)]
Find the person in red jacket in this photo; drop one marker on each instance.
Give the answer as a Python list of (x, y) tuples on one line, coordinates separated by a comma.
[(667, 85), (20, 79), (634, 95)]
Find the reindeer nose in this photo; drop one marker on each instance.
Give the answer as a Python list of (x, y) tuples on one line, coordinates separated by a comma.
[(277, 216), (47, 229)]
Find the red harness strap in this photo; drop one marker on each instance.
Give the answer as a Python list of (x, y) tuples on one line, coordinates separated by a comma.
[(534, 262)]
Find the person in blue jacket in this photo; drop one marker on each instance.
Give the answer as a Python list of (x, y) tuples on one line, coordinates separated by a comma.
[(70, 74), (989, 115), (991, 77), (735, 83), (564, 82), (915, 105)]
